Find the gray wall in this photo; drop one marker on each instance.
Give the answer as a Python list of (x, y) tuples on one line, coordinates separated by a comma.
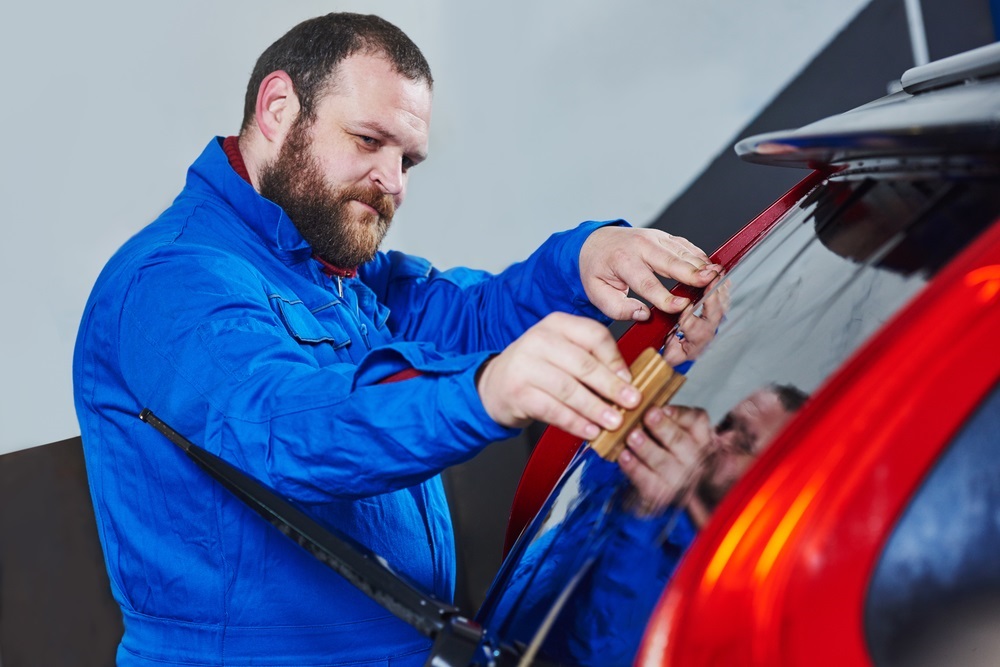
[(546, 113)]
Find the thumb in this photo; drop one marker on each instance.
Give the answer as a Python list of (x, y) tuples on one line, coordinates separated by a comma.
[(617, 305)]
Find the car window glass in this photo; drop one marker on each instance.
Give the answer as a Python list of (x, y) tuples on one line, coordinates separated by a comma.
[(934, 597), (827, 276)]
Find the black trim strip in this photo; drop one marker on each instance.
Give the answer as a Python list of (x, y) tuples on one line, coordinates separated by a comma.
[(361, 567)]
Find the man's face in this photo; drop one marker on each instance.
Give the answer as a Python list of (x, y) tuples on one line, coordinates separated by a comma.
[(341, 175), (739, 438)]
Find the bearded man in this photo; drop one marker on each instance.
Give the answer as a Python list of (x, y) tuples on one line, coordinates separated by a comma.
[(258, 317)]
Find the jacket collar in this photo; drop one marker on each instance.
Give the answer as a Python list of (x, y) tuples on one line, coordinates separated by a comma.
[(211, 173)]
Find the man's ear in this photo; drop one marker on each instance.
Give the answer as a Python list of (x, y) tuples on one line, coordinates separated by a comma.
[(277, 106)]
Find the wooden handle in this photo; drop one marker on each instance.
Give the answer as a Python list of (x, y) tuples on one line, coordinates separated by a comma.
[(658, 383)]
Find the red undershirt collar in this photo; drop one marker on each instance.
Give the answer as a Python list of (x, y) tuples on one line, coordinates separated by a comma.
[(231, 147), (331, 270)]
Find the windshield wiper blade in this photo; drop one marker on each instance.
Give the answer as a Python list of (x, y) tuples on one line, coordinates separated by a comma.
[(457, 640)]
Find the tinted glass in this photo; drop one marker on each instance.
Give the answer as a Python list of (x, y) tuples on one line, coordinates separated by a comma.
[(934, 598), (580, 583)]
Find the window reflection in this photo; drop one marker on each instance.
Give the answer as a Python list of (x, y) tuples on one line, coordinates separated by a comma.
[(581, 582)]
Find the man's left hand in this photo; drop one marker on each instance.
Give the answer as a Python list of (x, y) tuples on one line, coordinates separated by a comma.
[(614, 260)]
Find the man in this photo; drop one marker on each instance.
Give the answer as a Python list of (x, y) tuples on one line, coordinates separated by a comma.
[(691, 453), (258, 317)]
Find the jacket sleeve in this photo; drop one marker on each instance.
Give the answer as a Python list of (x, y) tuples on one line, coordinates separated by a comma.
[(467, 310), (198, 343)]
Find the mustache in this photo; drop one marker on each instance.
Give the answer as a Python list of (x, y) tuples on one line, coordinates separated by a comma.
[(380, 201)]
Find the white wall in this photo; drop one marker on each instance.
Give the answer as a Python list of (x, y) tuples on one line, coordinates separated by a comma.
[(546, 113)]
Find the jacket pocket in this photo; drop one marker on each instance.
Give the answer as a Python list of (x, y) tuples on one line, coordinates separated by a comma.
[(303, 325)]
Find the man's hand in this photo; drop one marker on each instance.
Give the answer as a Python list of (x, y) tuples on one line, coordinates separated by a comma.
[(565, 371), (698, 327), (663, 466), (614, 260)]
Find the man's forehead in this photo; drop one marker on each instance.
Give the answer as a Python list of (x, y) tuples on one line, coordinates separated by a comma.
[(759, 408), (373, 76), (370, 94)]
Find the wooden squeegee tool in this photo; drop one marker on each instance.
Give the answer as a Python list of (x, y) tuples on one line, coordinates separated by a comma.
[(658, 383)]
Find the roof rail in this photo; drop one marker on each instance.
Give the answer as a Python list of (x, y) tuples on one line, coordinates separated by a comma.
[(975, 64)]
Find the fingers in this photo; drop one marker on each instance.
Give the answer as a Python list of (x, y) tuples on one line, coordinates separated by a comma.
[(565, 371), (575, 381), (591, 351), (692, 421), (645, 282), (716, 304), (614, 260), (666, 458), (698, 330), (683, 261), (616, 303)]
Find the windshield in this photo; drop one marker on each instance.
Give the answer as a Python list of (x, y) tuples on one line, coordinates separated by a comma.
[(582, 580)]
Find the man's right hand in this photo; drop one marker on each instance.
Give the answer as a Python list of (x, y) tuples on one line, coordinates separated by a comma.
[(667, 457), (565, 371)]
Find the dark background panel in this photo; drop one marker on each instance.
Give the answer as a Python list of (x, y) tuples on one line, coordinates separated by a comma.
[(56, 607)]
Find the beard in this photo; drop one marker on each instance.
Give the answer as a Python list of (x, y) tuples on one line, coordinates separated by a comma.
[(724, 467), (339, 235)]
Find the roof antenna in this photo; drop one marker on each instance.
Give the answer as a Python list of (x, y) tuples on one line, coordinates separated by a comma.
[(918, 36)]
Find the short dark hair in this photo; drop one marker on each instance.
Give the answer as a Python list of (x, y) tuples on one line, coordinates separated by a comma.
[(792, 398), (310, 52)]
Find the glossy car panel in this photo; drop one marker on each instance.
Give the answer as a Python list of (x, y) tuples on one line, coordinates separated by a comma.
[(959, 118), (808, 522), (934, 597)]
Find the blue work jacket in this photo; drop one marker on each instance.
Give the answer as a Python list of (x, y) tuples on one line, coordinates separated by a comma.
[(217, 318)]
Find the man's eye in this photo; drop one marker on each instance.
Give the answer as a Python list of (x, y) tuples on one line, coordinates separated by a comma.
[(407, 163), (725, 425), (747, 443), (368, 141)]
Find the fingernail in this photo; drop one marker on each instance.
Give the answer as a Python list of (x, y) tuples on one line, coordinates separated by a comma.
[(636, 439), (708, 272), (630, 396), (654, 416), (611, 419), (640, 315), (625, 375), (668, 410), (679, 302), (591, 431), (625, 457)]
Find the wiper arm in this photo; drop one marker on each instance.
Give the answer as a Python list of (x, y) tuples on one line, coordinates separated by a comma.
[(458, 642)]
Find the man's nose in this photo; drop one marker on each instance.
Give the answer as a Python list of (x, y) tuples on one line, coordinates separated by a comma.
[(724, 440), (388, 174)]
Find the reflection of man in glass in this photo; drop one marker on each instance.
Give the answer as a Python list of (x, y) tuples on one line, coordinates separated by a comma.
[(680, 448), (622, 549), (603, 625), (739, 438)]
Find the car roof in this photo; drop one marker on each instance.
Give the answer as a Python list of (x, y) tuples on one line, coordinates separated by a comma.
[(950, 107)]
